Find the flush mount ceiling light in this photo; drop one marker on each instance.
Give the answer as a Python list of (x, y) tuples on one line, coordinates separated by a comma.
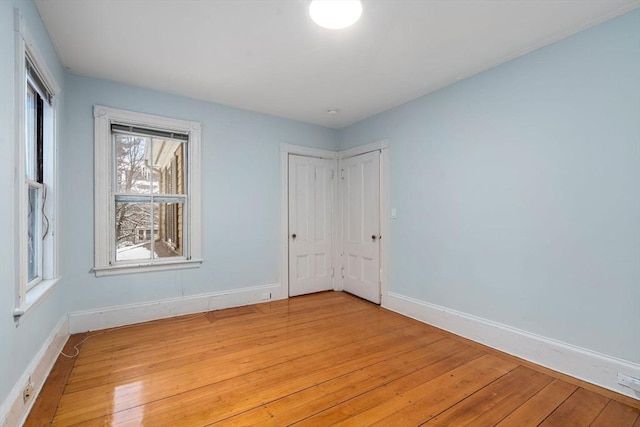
[(335, 14)]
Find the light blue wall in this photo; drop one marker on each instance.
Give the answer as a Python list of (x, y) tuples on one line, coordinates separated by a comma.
[(19, 343), (240, 197), (517, 194), (518, 191)]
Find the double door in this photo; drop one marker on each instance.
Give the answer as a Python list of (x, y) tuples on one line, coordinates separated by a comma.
[(313, 239)]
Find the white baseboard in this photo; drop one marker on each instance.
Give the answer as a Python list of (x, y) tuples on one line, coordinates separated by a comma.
[(586, 365), (111, 317), (14, 411)]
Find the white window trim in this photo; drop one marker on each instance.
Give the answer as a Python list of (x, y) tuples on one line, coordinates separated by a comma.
[(27, 299), (104, 216)]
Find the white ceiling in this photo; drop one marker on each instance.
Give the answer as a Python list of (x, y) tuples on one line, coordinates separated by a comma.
[(268, 56)]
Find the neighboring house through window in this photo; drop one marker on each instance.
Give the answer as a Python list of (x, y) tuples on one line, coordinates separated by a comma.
[(35, 150), (147, 192)]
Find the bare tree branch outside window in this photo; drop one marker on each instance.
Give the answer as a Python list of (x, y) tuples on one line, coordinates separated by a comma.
[(149, 173)]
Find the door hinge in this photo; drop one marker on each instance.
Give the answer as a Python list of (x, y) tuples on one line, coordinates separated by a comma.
[(342, 272), (331, 174), (333, 271), (341, 173)]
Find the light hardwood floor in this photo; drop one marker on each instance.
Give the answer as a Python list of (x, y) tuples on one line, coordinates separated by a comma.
[(316, 360)]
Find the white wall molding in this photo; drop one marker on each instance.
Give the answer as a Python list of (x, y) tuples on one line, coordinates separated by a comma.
[(13, 411), (584, 364), (111, 317)]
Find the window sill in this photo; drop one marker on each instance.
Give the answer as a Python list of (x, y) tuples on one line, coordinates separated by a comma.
[(114, 270), (34, 296)]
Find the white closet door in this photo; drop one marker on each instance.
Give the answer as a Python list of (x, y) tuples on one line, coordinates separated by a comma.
[(310, 233), (361, 225)]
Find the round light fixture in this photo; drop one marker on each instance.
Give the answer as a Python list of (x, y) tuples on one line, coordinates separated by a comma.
[(335, 14)]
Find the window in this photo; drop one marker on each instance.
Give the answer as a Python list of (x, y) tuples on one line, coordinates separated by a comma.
[(147, 192), (36, 171)]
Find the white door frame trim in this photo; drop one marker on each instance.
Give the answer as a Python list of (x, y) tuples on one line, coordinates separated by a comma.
[(307, 151), (383, 144)]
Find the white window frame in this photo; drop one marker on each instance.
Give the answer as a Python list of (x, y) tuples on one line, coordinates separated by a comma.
[(105, 264), (27, 295)]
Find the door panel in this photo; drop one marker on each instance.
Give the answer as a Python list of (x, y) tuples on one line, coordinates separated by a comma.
[(310, 213), (361, 225)]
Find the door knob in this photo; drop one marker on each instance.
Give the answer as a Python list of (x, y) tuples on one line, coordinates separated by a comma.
[(293, 236), (373, 237)]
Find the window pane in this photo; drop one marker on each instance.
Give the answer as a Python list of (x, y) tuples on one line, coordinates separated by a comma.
[(33, 235), (169, 217), (133, 231), (31, 132), (168, 163), (134, 173)]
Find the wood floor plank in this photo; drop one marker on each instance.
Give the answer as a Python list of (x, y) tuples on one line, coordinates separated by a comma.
[(122, 367), (316, 360), (256, 388), (618, 415), (536, 409), (218, 336), (380, 396), (437, 395), (295, 407), (491, 404), (279, 362), (134, 341), (580, 409), (140, 355)]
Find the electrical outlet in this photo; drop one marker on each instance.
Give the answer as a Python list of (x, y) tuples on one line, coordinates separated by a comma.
[(266, 296), (27, 392), (628, 381)]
